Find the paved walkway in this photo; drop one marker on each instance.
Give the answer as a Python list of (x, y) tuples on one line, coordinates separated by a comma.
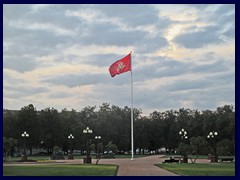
[(139, 166)]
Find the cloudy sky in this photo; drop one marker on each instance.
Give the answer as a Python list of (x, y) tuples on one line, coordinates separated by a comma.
[(58, 56)]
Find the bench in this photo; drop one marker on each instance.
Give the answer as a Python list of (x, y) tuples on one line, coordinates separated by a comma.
[(178, 158), (225, 158), (171, 160)]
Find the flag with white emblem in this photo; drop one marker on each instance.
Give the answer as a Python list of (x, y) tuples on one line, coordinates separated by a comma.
[(121, 66)]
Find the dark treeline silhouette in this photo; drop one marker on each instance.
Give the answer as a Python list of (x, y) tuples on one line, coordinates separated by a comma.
[(160, 130)]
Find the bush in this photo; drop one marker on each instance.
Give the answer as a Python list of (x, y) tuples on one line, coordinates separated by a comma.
[(57, 156)]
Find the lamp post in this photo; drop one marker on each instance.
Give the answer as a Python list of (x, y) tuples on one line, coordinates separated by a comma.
[(24, 136), (183, 133), (42, 143), (97, 147), (212, 137), (88, 158), (70, 137), (41, 148)]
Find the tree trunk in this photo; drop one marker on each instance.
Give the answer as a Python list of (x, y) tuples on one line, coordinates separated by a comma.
[(185, 159), (30, 150), (193, 161)]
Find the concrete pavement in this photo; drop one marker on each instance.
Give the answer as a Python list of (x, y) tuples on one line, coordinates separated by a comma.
[(139, 166)]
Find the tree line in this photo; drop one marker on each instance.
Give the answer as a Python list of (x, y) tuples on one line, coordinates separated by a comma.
[(160, 130)]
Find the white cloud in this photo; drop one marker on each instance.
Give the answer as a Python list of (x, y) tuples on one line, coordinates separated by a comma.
[(38, 7), (58, 55), (86, 14), (60, 31)]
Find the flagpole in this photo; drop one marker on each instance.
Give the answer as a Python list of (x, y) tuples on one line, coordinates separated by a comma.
[(131, 109)]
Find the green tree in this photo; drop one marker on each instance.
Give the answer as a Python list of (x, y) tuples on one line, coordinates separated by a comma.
[(226, 147), (71, 123), (28, 121), (184, 149), (51, 129), (8, 145), (10, 124), (111, 147), (170, 130), (113, 123), (199, 146), (226, 129)]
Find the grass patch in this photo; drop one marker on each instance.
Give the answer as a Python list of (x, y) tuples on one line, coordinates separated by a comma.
[(211, 169), (15, 159), (60, 170)]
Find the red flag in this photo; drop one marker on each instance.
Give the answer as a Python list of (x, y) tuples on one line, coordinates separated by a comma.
[(121, 66)]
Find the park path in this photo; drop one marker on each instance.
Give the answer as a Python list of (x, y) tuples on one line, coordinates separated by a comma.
[(139, 167)]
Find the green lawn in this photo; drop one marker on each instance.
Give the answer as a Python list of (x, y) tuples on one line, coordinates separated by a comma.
[(61, 170), (211, 169)]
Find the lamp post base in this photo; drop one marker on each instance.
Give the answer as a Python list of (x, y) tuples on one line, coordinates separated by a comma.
[(87, 160), (214, 159), (70, 156), (185, 159)]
